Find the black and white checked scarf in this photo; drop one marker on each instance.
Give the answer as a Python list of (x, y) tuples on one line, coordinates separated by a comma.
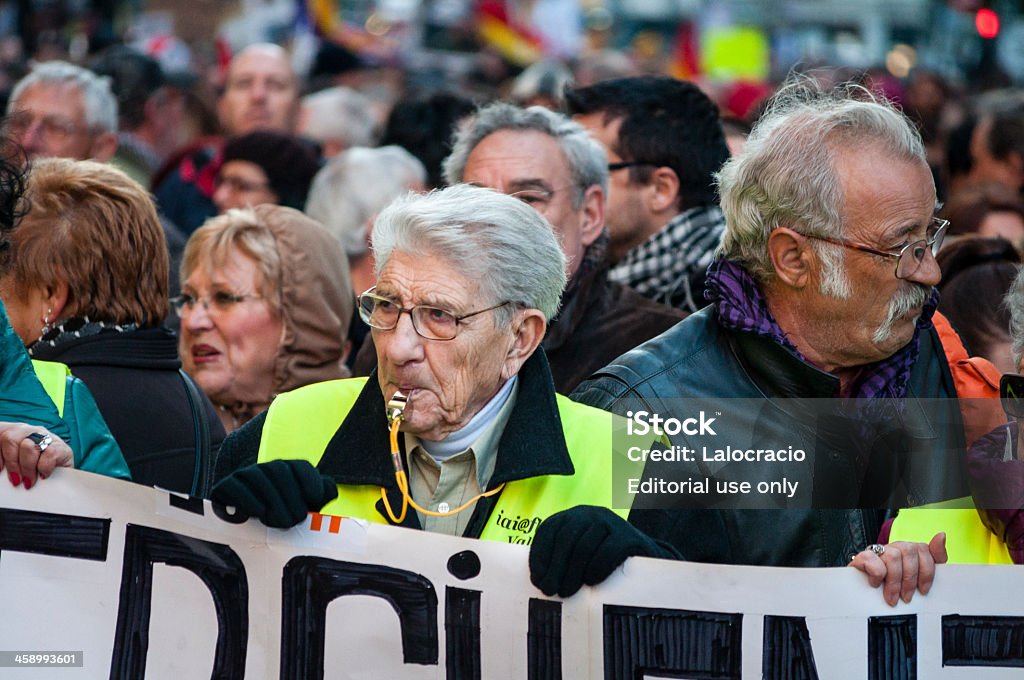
[(670, 266)]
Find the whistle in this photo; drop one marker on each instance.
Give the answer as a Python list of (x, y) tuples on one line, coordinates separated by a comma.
[(396, 407)]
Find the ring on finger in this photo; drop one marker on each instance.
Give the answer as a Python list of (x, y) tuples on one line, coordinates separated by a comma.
[(42, 440), (876, 548)]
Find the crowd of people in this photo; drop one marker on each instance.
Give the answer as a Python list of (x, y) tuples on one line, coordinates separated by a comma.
[(189, 311)]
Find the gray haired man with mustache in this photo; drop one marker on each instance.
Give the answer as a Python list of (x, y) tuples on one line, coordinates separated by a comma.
[(818, 338)]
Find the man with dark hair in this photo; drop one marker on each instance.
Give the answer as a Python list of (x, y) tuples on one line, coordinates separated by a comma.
[(423, 127), (664, 143), (151, 111), (997, 148)]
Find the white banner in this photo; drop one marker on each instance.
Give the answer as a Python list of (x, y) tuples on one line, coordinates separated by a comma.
[(118, 581)]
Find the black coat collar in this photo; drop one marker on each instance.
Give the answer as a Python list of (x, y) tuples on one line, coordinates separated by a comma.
[(154, 348), (778, 372), (532, 444)]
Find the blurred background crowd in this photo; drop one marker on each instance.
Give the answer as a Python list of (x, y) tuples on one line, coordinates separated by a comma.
[(930, 54), (219, 104), (947, 63)]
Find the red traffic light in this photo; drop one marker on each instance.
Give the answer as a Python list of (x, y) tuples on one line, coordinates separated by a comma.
[(987, 23)]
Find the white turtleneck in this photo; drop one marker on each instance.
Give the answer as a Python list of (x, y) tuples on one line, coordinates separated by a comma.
[(463, 438)]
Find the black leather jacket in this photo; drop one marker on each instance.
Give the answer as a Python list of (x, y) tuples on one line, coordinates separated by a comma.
[(779, 399)]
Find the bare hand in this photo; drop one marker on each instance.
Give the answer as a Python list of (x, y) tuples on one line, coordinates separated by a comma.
[(902, 567), (23, 457)]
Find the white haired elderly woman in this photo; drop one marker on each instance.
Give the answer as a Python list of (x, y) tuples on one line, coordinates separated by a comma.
[(467, 280)]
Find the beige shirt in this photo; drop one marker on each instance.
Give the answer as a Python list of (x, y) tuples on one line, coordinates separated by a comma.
[(445, 486)]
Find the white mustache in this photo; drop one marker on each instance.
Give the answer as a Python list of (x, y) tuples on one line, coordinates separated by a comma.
[(905, 301)]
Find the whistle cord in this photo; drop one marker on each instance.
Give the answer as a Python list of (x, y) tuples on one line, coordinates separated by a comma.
[(403, 485)]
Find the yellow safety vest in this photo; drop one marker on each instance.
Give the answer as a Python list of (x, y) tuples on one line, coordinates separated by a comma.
[(968, 540), (300, 424), (54, 378)]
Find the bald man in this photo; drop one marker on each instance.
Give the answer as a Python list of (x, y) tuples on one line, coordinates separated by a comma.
[(261, 92)]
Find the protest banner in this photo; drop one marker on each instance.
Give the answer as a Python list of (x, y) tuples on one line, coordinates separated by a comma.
[(105, 579)]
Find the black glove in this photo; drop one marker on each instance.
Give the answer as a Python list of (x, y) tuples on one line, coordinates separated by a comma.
[(279, 493), (584, 545)]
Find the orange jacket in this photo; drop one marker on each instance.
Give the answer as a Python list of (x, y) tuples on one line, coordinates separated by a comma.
[(976, 381)]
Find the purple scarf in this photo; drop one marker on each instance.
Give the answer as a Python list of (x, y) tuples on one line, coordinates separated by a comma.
[(742, 307), (997, 484)]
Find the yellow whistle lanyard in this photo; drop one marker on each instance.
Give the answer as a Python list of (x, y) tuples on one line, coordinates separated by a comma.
[(403, 485)]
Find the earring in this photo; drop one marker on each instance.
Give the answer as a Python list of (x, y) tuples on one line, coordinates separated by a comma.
[(46, 323)]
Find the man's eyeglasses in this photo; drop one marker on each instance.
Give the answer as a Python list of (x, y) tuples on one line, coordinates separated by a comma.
[(538, 197), (217, 303), (51, 129), (534, 197), (909, 257), (239, 185), (432, 323), (1011, 394), (612, 167)]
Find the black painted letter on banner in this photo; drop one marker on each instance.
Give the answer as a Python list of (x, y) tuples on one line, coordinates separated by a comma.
[(309, 584), (892, 647), (462, 634), (544, 640), (983, 641), (672, 642), (45, 533), (217, 565), (786, 653)]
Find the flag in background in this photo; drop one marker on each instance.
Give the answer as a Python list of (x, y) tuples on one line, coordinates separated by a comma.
[(505, 25)]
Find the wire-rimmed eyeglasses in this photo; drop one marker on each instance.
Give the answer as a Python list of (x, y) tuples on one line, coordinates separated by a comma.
[(218, 302), (909, 257), (432, 323), (51, 129)]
